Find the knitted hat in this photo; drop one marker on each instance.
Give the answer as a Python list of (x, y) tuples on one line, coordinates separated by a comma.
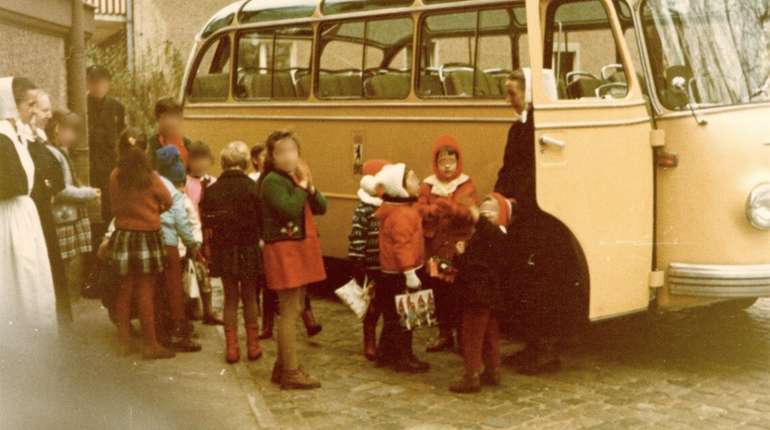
[(169, 164), (389, 180), (506, 208), (373, 167)]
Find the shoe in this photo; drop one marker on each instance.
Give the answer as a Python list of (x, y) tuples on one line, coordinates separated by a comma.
[(311, 326), (210, 319), (275, 377), (232, 353), (253, 350), (443, 343), (540, 367), (297, 379), (412, 364), (267, 324), (157, 353), (181, 340), (491, 377), (466, 385), (370, 340)]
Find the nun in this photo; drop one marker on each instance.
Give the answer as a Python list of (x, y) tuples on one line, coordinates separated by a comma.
[(26, 285)]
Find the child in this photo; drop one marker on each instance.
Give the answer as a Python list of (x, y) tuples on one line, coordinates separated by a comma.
[(446, 221), (480, 262), (198, 181), (401, 255), (257, 161), (231, 211), (175, 226), (292, 250), (138, 197), (364, 251), (168, 113)]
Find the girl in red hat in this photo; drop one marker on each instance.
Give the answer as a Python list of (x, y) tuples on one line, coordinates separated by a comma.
[(480, 261)]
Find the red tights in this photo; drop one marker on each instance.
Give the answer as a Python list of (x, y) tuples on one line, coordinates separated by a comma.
[(144, 286), (481, 339)]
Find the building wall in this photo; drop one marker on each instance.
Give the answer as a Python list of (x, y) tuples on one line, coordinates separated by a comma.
[(38, 56)]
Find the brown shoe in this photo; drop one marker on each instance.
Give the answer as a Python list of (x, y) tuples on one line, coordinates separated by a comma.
[(467, 385), (442, 343), (490, 377), (275, 378), (311, 325), (297, 379), (157, 353)]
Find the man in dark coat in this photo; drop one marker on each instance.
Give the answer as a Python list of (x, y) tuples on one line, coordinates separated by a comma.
[(106, 120), (548, 293)]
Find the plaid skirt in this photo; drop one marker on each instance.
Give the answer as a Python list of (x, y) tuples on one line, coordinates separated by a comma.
[(75, 237), (137, 252)]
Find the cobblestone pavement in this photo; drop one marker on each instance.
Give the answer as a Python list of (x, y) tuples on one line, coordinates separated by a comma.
[(703, 368)]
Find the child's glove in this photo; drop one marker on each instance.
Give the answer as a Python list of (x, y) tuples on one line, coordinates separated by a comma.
[(412, 280)]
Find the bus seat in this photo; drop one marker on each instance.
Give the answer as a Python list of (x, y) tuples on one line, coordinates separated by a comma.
[(388, 86), (430, 85), (283, 86), (581, 85), (333, 84), (254, 85), (212, 86), (302, 82)]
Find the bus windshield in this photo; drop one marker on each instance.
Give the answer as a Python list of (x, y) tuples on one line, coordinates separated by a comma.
[(720, 47)]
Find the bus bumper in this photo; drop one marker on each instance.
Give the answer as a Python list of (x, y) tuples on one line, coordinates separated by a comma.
[(719, 281)]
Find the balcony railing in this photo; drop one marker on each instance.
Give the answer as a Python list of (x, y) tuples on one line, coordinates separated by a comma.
[(108, 8)]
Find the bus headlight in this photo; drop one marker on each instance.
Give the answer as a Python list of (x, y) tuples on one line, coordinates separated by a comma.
[(758, 206)]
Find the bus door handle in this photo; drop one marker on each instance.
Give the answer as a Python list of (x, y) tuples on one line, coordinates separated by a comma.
[(553, 142)]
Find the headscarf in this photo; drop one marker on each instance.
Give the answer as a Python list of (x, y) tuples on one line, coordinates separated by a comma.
[(21, 135)]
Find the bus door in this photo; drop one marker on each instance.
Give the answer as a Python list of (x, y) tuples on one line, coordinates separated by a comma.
[(594, 161)]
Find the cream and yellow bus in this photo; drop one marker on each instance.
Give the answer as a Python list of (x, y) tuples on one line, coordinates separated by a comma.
[(651, 146)]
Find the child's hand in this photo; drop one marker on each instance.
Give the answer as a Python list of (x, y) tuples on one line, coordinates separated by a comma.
[(101, 253), (304, 175), (460, 247), (475, 213)]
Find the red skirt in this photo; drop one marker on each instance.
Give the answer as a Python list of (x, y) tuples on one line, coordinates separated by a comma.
[(295, 263)]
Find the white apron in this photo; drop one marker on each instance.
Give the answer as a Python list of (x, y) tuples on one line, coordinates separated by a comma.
[(26, 285)]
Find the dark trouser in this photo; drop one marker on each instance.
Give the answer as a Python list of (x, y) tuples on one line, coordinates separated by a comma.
[(448, 309), (481, 339), (395, 341)]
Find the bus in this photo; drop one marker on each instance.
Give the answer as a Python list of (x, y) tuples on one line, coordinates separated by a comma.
[(649, 143)]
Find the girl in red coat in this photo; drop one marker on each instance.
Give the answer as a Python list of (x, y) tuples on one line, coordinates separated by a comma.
[(401, 255), (443, 203)]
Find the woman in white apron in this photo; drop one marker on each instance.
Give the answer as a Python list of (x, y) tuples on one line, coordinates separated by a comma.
[(26, 285)]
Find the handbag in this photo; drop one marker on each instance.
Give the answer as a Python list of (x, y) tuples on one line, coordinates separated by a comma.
[(357, 298), (190, 280), (65, 214), (416, 310)]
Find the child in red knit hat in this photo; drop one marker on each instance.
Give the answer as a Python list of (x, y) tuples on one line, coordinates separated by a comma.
[(480, 261), (443, 203)]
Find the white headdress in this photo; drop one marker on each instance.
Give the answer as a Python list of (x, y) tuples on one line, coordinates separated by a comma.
[(9, 111)]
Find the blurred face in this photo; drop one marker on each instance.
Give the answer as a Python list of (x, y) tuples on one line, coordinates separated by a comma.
[(170, 124), (98, 88), (43, 111), (447, 163), (515, 95), (490, 209), (412, 184), (27, 107), (66, 136), (199, 166), (259, 162), (286, 155)]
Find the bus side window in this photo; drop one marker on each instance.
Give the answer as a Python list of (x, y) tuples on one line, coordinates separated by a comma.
[(470, 54), (365, 59), (584, 52), (274, 64), (212, 74)]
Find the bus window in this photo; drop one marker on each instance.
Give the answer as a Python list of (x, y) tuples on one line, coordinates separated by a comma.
[(212, 75), (274, 64), (469, 54), (365, 59), (583, 52)]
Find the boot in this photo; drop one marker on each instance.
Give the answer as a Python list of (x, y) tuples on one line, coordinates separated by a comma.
[(490, 377), (267, 323), (370, 338), (468, 384), (232, 353), (277, 374), (443, 342), (181, 339), (297, 379), (254, 351), (311, 326), (411, 364)]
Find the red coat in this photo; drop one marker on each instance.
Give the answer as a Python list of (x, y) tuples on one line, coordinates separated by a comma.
[(401, 237)]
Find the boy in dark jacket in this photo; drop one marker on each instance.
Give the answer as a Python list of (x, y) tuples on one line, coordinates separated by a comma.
[(364, 251), (480, 262)]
